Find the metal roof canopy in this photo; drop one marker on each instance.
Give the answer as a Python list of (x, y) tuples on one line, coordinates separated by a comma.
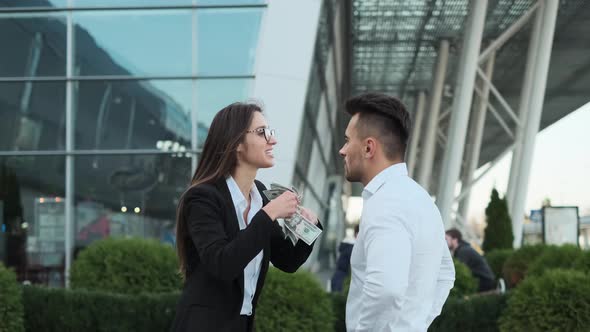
[(394, 50)]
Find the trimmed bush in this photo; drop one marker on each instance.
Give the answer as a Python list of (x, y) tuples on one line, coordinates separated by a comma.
[(465, 283), (496, 259), (57, 310), (582, 263), (516, 266), (293, 302), (558, 300), (480, 313), (11, 306), (126, 266), (498, 232), (554, 257), (339, 309)]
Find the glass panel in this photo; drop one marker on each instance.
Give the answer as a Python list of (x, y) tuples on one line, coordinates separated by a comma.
[(32, 218), (33, 45), (32, 116), (133, 42), (227, 40), (230, 2), (130, 3), (212, 96), (133, 114), (133, 195), (32, 3)]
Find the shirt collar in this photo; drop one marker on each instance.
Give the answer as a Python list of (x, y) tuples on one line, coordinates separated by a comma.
[(371, 188), (238, 197)]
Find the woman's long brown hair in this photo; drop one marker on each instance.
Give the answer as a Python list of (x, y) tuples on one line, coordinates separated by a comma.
[(218, 160)]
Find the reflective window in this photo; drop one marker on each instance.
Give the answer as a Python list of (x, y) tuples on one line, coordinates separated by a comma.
[(32, 3), (130, 3), (133, 114), (133, 42), (230, 2), (212, 96), (133, 195), (227, 41), (32, 116), (32, 45), (32, 218)]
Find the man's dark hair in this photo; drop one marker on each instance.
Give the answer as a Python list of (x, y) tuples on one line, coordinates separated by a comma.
[(384, 117), (455, 234)]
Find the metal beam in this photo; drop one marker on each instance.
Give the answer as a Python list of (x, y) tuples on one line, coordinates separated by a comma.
[(508, 33), (499, 96), (429, 145), (466, 189), (533, 122), (525, 96), (69, 199), (451, 166), (476, 133), (496, 115), (416, 132)]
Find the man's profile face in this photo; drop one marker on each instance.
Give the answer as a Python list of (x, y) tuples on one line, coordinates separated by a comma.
[(352, 152), (451, 242)]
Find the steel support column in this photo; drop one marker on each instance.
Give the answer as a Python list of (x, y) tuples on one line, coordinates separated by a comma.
[(451, 166), (429, 142), (531, 126)]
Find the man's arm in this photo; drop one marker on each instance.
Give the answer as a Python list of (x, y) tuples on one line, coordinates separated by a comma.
[(388, 248), (445, 282)]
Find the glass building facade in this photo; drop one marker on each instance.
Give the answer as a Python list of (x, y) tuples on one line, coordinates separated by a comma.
[(104, 106)]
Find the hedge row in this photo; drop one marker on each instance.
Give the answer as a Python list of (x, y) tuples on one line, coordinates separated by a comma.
[(11, 306)]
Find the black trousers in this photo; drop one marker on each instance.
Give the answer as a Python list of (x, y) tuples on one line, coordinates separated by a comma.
[(244, 324)]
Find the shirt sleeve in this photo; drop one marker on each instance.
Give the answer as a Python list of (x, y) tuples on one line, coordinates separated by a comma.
[(445, 282), (387, 244)]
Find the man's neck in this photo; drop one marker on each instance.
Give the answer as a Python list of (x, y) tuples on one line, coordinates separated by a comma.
[(376, 168)]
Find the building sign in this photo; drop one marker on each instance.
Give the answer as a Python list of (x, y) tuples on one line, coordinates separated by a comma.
[(560, 225)]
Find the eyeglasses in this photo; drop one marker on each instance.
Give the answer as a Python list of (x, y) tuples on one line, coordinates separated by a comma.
[(268, 133)]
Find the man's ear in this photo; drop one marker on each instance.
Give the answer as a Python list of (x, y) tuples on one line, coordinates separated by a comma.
[(370, 147)]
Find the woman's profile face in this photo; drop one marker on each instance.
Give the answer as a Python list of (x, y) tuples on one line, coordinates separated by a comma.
[(257, 148)]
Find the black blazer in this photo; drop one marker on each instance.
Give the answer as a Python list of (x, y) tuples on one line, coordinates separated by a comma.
[(217, 253)]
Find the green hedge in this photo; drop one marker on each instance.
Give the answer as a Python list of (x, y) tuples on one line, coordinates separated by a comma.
[(293, 302), (479, 313), (339, 309), (126, 266), (56, 310), (582, 263), (465, 283), (516, 266), (496, 259), (11, 307), (554, 257), (558, 300), (289, 302)]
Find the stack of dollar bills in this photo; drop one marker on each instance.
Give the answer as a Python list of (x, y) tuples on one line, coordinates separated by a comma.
[(297, 227)]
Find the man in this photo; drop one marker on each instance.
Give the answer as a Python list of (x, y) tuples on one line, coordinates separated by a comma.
[(475, 262), (343, 263), (402, 270)]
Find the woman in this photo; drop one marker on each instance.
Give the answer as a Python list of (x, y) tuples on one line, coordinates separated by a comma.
[(226, 229)]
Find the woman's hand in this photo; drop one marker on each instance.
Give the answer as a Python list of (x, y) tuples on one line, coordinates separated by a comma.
[(309, 215), (283, 206)]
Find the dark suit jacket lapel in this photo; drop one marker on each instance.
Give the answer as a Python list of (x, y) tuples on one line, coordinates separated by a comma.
[(232, 219)]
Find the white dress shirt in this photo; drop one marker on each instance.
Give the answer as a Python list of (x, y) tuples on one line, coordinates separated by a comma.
[(252, 270), (402, 270)]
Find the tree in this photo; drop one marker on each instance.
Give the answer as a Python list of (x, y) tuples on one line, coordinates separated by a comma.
[(498, 233)]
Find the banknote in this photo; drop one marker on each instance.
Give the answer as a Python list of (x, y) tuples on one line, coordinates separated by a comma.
[(303, 228), (297, 227)]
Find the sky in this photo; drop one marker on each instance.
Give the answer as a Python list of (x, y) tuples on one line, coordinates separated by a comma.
[(560, 169)]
